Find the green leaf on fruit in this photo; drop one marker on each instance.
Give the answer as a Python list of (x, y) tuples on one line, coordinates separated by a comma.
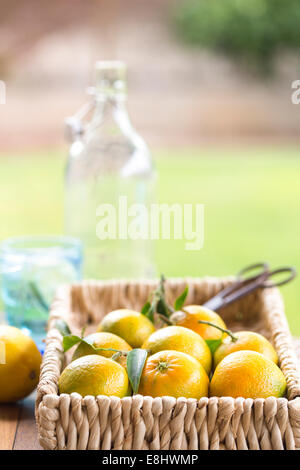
[(157, 302), (213, 344), (162, 308), (82, 332), (148, 311), (135, 364), (146, 308), (179, 302), (69, 341)]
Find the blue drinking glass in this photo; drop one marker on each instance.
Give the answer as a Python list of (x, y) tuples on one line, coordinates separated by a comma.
[(32, 268)]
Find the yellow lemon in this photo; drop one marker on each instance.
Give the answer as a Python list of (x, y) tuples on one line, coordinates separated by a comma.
[(189, 318), (178, 338), (19, 366), (94, 375), (247, 374), (246, 340), (130, 325), (102, 340), (174, 374)]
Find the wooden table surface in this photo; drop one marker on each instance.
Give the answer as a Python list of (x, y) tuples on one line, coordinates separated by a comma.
[(17, 422), (17, 426)]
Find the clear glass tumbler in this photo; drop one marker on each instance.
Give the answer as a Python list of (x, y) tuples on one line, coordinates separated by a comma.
[(32, 267)]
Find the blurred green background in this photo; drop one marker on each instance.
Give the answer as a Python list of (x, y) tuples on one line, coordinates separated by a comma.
[(252, 32), (251, 197), (210, 92)]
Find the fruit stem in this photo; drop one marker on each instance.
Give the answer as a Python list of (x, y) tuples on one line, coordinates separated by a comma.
[(123, 353), (232, 336), (162, 366), (116, 356), (165, 319), (159, 296), (158, 303)]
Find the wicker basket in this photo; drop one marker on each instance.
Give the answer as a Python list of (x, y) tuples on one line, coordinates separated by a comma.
[(138, 422)]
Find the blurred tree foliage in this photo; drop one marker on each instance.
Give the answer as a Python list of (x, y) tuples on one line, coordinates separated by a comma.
[(250, 31)]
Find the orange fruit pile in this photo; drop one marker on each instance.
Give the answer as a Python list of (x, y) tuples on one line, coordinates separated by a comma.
[(179, 360)]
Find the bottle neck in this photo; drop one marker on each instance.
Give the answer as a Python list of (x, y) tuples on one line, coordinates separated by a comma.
[(109, 102), (111, 107)]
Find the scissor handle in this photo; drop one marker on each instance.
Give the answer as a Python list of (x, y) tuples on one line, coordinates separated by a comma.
[(240, 281), (287, 269), (244, 287), (241, 274)]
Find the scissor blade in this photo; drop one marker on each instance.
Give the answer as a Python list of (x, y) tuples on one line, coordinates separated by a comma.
[(236, 291), (215, 303)]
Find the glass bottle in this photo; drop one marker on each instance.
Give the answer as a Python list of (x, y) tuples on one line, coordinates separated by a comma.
[(108, 163)]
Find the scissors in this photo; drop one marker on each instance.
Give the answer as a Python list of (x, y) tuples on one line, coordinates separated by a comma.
[(245, 285)]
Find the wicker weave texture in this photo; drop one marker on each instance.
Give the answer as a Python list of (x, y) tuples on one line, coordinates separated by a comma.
[(138, 422)]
